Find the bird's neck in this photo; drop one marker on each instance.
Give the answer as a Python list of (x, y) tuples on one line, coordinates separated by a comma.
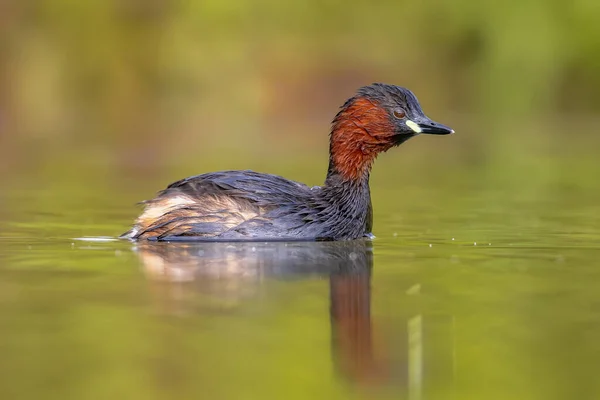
[(348, 209), (343, 189), (348, 161), (351, 156), (348, 191), (359, 132)]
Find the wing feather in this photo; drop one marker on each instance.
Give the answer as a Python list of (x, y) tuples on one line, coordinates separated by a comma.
[(227, 203)]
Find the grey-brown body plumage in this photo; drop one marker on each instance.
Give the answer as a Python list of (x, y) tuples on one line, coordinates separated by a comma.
[(246, 205)]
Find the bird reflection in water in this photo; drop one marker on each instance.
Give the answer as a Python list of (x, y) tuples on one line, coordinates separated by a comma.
[(227, 274), (231, 273)]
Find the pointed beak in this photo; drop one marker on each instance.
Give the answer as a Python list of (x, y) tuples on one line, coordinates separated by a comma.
[(425, 125)]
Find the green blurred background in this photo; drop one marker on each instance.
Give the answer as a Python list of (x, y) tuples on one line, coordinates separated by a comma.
[(158, 81), (104, 102)]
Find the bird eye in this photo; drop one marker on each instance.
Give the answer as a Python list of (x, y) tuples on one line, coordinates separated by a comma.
[(399, 114)]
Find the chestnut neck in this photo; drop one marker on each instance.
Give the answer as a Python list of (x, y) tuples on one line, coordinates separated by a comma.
[(360, 131)]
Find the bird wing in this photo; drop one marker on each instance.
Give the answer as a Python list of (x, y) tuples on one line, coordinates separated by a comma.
[(217, 204)]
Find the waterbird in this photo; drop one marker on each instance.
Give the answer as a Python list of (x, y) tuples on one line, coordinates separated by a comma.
[(252, 206)]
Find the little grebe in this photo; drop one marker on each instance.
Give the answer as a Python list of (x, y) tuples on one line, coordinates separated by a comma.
[(246, 205)]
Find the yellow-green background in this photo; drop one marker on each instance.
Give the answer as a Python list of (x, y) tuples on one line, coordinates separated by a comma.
[(102, 103)]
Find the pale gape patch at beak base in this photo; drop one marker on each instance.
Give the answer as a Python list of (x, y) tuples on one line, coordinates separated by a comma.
[(413, 125)]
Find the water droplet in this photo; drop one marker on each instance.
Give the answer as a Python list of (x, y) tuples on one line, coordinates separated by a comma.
[(413, 290), (96, 239)]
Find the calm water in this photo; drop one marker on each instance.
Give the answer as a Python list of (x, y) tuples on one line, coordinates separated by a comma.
[(482, 283)]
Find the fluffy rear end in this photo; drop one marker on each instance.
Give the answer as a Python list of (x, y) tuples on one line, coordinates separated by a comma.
[(176, 214)]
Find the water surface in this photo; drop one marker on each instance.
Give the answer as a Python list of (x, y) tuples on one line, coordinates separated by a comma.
[(482, 282)]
